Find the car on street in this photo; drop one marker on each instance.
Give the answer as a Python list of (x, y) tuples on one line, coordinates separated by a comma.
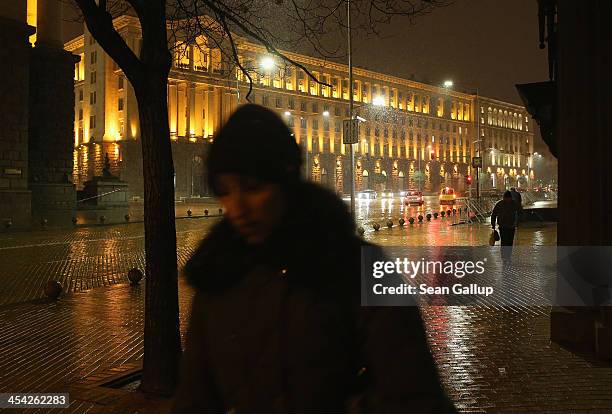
[(367, 195), (447, 195), (413, 197)]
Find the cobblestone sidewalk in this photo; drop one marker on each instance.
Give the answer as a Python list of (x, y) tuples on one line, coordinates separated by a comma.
[(491, 359)]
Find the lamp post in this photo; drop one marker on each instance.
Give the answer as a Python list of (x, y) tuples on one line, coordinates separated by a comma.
[(350, 68), (448, 84)]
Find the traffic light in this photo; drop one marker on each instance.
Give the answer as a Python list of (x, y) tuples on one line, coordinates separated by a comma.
[(468, 179)]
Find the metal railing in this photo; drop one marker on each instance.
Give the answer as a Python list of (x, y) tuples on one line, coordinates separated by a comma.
[(478, 210), (99, 195)]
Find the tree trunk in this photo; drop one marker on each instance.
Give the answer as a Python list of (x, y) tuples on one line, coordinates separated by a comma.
[(162, 347)]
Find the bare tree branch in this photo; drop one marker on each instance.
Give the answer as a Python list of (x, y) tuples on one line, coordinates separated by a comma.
[(100, 23)]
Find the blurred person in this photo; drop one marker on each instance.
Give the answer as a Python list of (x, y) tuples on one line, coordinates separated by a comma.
[(276, 324)]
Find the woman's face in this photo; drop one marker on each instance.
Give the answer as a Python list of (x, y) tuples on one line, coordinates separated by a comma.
[(254, 208)]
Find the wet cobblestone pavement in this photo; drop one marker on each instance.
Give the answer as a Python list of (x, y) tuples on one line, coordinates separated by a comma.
[(491, 358)]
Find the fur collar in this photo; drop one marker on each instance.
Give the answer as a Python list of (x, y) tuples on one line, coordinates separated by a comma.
[(316, 238)]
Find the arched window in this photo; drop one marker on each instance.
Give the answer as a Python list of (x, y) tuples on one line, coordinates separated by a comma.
[(495, 119), (490, 116)]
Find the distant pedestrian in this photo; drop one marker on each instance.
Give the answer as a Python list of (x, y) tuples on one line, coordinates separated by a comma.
[(276, 324), (516, 197), (505, 214)]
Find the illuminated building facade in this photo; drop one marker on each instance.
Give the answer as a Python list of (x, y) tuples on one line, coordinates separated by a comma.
[(36, 114), (409, 127)]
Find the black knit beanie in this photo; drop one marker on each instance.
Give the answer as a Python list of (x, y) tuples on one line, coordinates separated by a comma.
[(255, 142)]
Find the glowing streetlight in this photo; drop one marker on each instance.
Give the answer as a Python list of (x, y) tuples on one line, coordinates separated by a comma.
[(448, 83), (267, 63), (378, 101), (325, 113), (287, 113)]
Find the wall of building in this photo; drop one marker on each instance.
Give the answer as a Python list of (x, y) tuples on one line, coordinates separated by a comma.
[(14, 112), (408, 124)]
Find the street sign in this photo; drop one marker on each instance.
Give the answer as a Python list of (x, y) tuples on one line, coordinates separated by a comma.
[(477, 162), (350, 131)]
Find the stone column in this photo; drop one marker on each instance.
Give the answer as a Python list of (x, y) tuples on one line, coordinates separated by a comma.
[(51, 121), (584, 130), (49, 24), (15, 203)]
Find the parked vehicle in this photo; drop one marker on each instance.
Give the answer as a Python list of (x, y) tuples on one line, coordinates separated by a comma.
[(413, 197), (367, 195), (447, 195)]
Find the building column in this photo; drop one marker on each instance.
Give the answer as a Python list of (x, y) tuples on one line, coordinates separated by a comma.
[(583, 40), (51, 121), (15, 197)]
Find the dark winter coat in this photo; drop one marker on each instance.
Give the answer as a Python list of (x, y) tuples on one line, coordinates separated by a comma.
[(280, 329), (505, 214)]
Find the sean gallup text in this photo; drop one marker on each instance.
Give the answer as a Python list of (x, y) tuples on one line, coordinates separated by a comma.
[(472, 289)]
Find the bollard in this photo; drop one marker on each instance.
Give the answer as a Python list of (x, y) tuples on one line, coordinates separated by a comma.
[(53, 289), (411, 220), (389, 223), (428, 216), (102, 219), (376, 226), (189, 212), (401, 222), (360, 231), (134, 275), (420, 218), (127, 217), (205, 212)]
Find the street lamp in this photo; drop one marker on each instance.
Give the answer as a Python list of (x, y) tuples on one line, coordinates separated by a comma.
[(449, 84), (378, 101), (267, 63)]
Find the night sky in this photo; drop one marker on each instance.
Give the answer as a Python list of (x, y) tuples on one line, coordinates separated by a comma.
[(486, 44)]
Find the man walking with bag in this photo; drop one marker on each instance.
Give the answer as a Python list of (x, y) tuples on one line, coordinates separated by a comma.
[(505, 214)]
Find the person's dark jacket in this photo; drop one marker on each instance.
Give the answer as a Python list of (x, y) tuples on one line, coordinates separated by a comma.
[(505, 213), (280, 329), (517, 198)]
